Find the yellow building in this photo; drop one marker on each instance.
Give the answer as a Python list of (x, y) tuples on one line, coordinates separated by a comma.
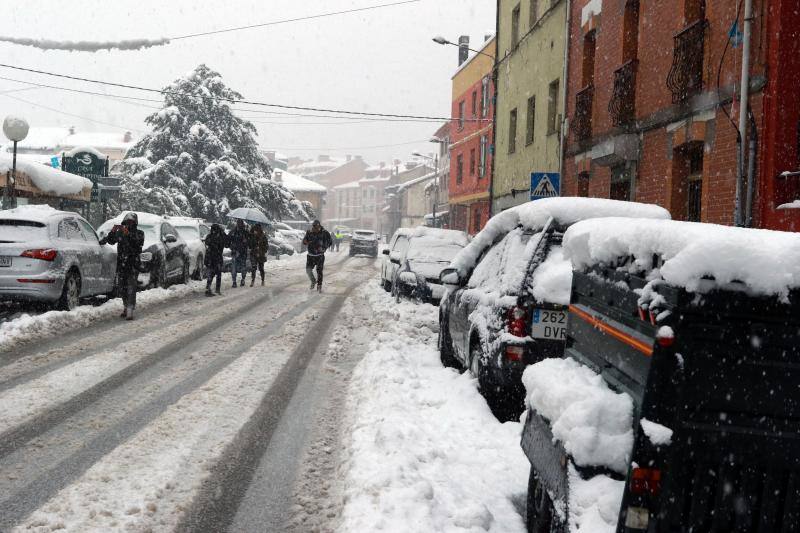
[(530, 95)]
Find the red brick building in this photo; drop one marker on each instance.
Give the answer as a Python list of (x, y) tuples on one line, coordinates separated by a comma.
[(470, 141), (651, 86)]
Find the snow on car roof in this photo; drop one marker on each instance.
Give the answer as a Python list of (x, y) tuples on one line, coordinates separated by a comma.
[(449, 235), (47, 178), (534, 215), (33, 213), (696, 256), (147, 219)]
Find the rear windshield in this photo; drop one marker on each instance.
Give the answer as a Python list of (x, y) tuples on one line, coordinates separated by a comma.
[(188, 233), (365, 233), (22, 230)]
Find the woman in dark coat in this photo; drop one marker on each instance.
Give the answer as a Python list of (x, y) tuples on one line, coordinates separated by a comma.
[(215, 242), (259, 245)]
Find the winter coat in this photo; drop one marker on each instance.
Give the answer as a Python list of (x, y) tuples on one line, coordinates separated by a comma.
[(238, 242), (317, 241), (259, 245), (129, 247), (215, 242)]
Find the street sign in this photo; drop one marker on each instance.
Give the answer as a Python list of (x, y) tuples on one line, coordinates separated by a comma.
[(545, 185), (85, 163)]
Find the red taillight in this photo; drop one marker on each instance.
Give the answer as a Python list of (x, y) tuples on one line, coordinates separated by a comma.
[(517, 321), (646, 481), (515, 353), (665, 337), (26, 280), (47, 254)]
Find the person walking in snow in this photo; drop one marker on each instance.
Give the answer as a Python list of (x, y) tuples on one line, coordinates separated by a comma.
[(259, 245), (238, 242), (318, 240), (129, 240), (215, 242), (337, 238)]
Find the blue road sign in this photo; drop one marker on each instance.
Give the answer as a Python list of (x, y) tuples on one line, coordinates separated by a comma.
[(545, 185)]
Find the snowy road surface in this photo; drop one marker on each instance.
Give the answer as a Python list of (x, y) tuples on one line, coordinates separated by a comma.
[(266, 409)]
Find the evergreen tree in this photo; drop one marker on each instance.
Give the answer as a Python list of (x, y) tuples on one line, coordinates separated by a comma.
[(200, 159)]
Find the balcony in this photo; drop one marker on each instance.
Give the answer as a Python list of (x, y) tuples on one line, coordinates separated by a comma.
[(582, 122), (685, 78), (622, 106)]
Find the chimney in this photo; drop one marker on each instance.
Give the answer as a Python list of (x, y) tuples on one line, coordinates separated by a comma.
[(128, 137), (277, 176), (463, 49)]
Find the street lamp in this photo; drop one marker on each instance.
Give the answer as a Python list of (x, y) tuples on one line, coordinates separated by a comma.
[(15, 129), (435, 181), (441, 40)]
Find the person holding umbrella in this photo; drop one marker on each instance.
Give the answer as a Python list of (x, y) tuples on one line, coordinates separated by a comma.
[(259, 245)]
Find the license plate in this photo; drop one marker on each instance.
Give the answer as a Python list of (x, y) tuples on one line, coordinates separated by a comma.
[(548, 324), (5, 261)]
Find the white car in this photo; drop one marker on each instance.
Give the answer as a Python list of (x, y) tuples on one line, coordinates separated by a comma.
[(194, 232), (291, 235)]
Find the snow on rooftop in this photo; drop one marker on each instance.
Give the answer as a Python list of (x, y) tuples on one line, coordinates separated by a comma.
[(55, 139), (696, 256), (349, 185), (42, 138), (410, 183), (112, 140), (46, 178), (295, 183), (534, 215)]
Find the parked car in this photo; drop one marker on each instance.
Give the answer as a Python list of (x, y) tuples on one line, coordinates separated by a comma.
[(291, 235), (415, 259), (53, 257), (165, 256), (278, 245), (681, 365), (509, 290), (193, 231), (364, 242)]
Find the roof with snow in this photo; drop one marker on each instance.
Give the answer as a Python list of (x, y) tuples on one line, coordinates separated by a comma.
[(55, 139), (35, 213), (410, 183), (349, 185), (696, 256), (46, 178), (295, 183)]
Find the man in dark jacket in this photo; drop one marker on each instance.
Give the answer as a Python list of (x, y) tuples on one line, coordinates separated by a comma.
[(238, 242), (318, 240), (129, 240), (259, 246), (215, 242)]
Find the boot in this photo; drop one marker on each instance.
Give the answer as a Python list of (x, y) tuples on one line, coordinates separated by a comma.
[(124, 313), (319, 287), (313, 284), (234, 285), (219, 293), (262, 282), (208, 292), (252, 281), (130, 313)]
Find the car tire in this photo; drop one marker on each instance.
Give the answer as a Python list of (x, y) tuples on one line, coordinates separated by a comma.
[(446, 347), (185, 275), (540, 516), (71, 292), (198, 271), (486, 385)]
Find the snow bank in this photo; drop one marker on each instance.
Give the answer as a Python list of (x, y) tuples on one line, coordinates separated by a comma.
[(426, 453), (47, 178), (594, 503), (85, 46), (765, 262), (534, 215), (593, 422)]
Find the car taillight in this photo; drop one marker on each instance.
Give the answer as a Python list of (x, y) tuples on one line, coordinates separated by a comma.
[(646, 481), (46, 254), (515, 353), (517, 321)]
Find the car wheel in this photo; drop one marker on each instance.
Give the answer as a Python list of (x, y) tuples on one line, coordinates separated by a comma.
[(185, 276), (198, 271), (486, 385), (540, 515), (70, 294), (446, 347)]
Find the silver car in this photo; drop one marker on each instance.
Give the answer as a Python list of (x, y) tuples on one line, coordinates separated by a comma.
[(53, 257)]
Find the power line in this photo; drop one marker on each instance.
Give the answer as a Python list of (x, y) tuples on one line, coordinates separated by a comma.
[(232, 102)]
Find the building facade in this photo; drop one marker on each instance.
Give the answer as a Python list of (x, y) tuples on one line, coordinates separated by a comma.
[(470, 140), (530, 103), (329, 172), (652, 103)]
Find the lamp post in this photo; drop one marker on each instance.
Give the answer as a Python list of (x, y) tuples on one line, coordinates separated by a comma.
[(15, 130), (435, 182), (441, 40)]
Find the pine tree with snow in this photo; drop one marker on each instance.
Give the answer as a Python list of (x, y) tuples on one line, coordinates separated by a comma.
[(201, 160)]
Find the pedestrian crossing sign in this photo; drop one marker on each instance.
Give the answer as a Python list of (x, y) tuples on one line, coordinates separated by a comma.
[(545, 185)]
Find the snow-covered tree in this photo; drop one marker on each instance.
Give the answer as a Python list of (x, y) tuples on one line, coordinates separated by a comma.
[(200, 159)]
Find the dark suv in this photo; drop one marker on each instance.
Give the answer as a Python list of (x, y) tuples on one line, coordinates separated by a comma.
[(506, 307), (364, 242)]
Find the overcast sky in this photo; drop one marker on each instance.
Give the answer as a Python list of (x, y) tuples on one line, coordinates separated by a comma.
[(379, 61)]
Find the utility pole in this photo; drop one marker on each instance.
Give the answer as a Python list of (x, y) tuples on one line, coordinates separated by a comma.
[(744, 96)]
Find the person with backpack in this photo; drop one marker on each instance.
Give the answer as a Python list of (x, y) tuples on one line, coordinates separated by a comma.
[(259, 245), (129, 240), (215, 243), (318, 240), (239, 243)]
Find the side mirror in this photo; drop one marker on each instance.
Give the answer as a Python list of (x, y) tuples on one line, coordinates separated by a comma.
[(385, 251), (169, 237), (394, 257), (450, 276)]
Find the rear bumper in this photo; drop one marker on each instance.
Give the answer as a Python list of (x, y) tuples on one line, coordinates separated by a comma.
[(37, 288), (359, 248)]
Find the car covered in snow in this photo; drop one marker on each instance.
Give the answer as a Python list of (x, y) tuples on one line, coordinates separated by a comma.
[(416, 257), (292, 236), (52, 257), (364, 242), (165, 255), (193, 231), (675, 405), (507, 307)]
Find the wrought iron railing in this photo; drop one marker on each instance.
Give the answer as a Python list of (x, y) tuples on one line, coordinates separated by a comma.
[(622, 106), (685, 78), (582, 121)]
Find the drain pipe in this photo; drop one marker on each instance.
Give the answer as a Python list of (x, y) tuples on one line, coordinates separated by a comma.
[(743, 110), (751, 171), (562, 135)]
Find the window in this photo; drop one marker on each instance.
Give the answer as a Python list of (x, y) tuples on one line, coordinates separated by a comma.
[(583, 184), (587, 65), (474, 104), (552, 107), (515, 27), (460, 168), (687, 182), (512, 132), (88, 232), (533, 15), (695, 185), (621, 183), (68, 229), (472, 162), (630, 31), (461, 115), (485, 97), (484, 150), (531, 118)]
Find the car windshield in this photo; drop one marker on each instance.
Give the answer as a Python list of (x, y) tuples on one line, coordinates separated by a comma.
[(22, 230), (150, 233), (188, 233), (432, 251)]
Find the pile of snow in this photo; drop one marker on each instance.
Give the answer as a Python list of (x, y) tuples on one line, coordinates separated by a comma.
[(593, 422), (426, 453), (552, 280), (697, 257), (534, 215), (659, 435), (46, 178)]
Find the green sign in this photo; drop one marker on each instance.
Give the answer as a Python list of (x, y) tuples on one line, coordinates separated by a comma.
[(85, 164)]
